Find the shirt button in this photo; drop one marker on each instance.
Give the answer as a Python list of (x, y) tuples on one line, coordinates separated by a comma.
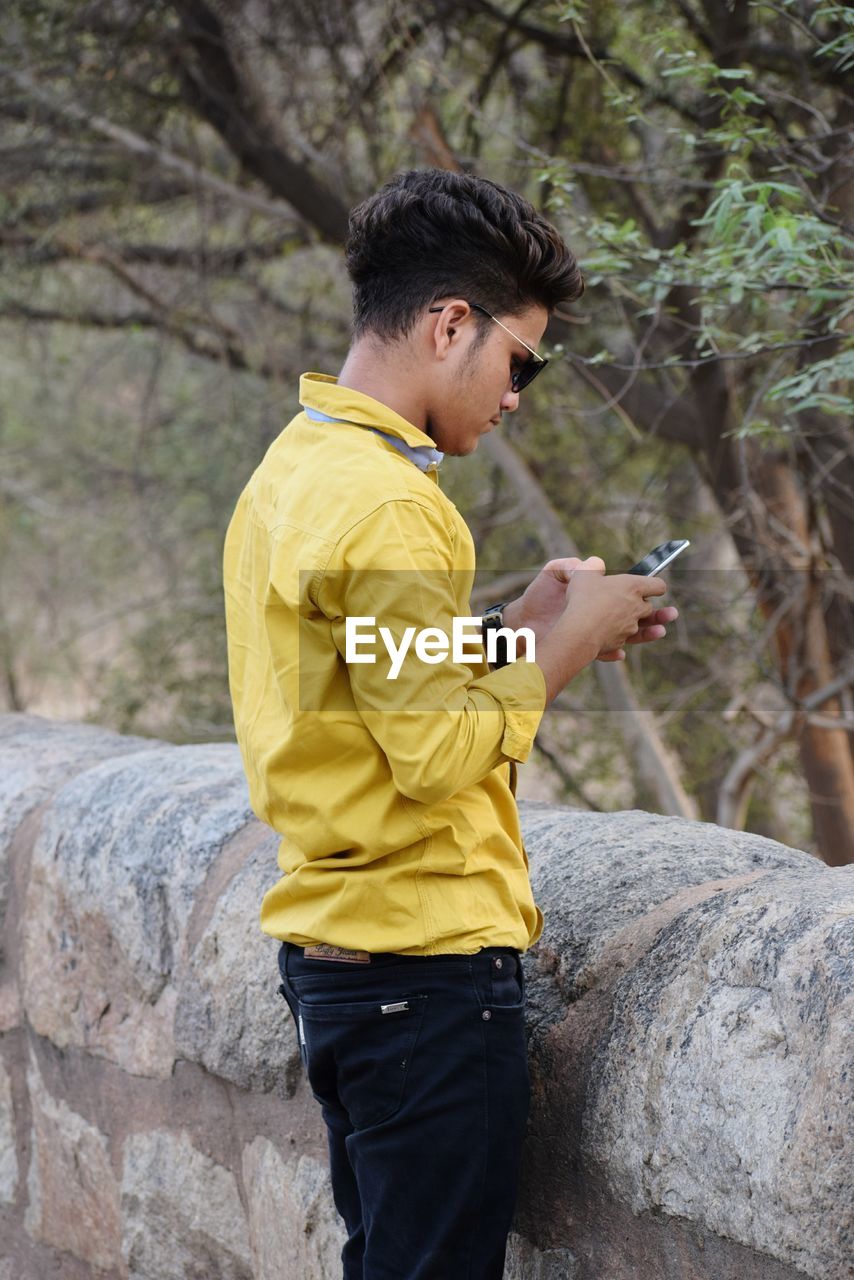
[(486, 1015), (499, 962)]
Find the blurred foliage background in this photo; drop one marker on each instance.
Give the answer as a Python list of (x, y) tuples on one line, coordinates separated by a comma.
[(175, 179)]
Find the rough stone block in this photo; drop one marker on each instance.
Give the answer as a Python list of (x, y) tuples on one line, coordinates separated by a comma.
[(525, 1262), (722, 1092), (8, 1147), (122, 850), (230, 1017), (594, 874), (182, 1217), (36, 757), (73, 1195), (294, 1226)]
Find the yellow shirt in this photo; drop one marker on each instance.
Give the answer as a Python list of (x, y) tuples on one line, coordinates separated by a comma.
[(393, 797)]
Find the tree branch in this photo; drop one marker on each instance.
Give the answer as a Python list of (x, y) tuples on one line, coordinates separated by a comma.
[(85, 202), (218, 83), (572, 785), (734, 795), (573, 47), (41, 252), (135, 144), (225, 351)]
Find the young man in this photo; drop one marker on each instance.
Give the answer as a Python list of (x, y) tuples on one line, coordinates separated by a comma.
[(405, 900)]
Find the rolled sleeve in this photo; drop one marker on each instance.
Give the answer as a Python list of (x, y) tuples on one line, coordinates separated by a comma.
[(520, 687)]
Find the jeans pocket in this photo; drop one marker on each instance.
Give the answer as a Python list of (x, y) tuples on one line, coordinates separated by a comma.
[(506, 988), (358, 1054)]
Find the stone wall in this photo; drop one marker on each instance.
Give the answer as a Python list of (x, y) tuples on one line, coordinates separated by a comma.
[(689, 1006)]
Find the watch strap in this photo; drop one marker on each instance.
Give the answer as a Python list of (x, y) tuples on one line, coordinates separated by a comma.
[(492, 619)]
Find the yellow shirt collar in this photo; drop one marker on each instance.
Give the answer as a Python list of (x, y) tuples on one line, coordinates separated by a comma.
[(321, 391)]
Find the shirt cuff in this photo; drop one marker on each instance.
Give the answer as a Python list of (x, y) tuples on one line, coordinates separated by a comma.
[(520, 687)]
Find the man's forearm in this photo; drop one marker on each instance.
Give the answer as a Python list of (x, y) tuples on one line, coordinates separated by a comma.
[(513, 614), (561, 653), (514, 619), (565, 651)]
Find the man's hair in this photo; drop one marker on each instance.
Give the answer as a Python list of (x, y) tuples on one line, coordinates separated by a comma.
[(431, 234)]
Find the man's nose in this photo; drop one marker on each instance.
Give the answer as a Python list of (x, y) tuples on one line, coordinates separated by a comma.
[(509, 402)]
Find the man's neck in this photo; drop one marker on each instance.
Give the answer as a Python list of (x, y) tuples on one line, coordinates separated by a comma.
[(390, 383)]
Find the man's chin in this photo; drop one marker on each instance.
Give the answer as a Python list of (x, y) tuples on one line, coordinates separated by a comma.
[(461, 450), (455, 447)]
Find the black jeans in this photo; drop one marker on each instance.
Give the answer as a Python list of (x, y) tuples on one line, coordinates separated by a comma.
[(420, 1066)]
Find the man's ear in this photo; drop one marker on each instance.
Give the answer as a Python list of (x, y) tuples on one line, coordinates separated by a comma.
[(447, 326)]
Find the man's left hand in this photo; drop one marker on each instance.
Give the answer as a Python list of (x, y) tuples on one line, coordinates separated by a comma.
[(544, 600)]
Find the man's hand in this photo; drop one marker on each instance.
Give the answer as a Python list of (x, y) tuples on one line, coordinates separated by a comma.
[(601, 616), (652, 628), (545, 599)]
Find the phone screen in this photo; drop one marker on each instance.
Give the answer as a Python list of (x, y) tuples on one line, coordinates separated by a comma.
[(660, 556)]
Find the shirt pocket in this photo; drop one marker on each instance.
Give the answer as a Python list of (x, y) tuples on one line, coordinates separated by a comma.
[(358, 1055)]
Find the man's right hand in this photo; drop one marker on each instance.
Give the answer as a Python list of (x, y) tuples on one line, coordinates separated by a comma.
[(610, 608), (601, 615)]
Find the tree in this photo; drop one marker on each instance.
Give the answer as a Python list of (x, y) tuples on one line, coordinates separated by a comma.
[(695, 155)]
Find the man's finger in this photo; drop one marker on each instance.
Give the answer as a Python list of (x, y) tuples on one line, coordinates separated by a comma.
[(653, 587), (655, 632), (561, 568), (592, 562), (657, 617)]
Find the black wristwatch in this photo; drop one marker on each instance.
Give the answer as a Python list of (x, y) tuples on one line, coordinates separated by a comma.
[(492, 619)]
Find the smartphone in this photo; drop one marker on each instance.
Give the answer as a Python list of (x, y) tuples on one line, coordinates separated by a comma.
[(660, 556)]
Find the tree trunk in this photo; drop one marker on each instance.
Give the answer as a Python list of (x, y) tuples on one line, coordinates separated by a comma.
[(655, 764), (804, 655)]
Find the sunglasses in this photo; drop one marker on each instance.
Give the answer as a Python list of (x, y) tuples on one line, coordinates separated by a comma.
[(528, 371)]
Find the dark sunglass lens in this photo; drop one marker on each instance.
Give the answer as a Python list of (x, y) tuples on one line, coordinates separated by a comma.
[(526, 375)]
